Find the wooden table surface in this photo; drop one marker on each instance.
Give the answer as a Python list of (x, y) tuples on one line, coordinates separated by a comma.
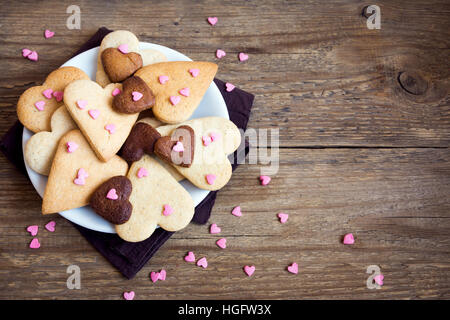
[(364, 122)]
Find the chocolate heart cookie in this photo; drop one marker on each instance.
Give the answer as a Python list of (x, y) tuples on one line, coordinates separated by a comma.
[(141, 140), (135, 97), (119, 66), (178, 148), (110, 200)]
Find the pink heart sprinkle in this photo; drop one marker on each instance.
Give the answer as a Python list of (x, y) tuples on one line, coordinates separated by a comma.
[(194, 72), (229, 87), (82, 104), (249, 270), (206, 140), (236, 211), (212, 20), (26, 52), (202, 263), (58, 95), (222, 243), (283, 217), (162, 275), (111, 128), (220, 54), (33, 230), (48, 34), (142, 172), (40, 105), (174, 99), (168, 210), (163, 79), (81, 176), (112, 194), (137, 95), (34, 244), (94, 113), (123, 48), (128, 295), (115, 92), (82, 173), (348, 239), (265, 180), (379, 279), (154, 276), (178, 147), (47, 93), (71, 146), (293, 268), (210, 178), (214, 229), (190, 257), (215, 136), (184, 92), (243, 57), (79, 181), (50, 226), (33, 56)]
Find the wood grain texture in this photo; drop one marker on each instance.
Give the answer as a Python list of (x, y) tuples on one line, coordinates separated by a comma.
[(364, 119)]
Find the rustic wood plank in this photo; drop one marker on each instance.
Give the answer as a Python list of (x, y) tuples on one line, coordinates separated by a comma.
[(395, 201)]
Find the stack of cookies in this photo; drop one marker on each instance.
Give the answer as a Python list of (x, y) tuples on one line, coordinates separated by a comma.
[(96, 152)]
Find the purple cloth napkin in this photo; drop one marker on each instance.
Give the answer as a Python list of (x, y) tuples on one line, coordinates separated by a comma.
[(130, 257)]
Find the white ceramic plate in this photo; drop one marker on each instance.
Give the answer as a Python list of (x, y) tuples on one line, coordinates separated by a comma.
[(211, 105)]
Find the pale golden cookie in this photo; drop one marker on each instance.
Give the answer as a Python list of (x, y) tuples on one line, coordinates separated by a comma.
[(153, 197), (97, 115), (41, 147), (39, 120), (69, 168), (115, 39), (171, 106), (209, 159)]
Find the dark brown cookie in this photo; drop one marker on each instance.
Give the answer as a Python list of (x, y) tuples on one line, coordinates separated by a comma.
[(124, 103), (119, 66), (164, 147), (141, 140), (114, 207)]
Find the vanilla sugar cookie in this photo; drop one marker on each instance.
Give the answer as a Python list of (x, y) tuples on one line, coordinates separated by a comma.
[(76, 173), (41, 147), (37, 104), (90, 106), (215, 138), (157, 199), (127, 42), (178, 87)]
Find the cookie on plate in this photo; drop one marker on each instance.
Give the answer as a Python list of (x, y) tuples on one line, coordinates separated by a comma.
[(37, 104), (214, 139), (157, 199), (178, 86), (90, 106), (128, 43), (76, 173), (41, 147)]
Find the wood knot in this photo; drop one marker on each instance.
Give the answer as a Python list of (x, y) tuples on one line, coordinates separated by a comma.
[(413, 83)]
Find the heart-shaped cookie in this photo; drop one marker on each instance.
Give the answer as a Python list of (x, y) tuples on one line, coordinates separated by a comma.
[(110, 200), (210, 168), (128, 39), (119, 66), (135, 97), (37, 104), (191, 78), (41, 148), (90, 106), (75, 174), (178, 148), (141, 140), (152, 195)]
